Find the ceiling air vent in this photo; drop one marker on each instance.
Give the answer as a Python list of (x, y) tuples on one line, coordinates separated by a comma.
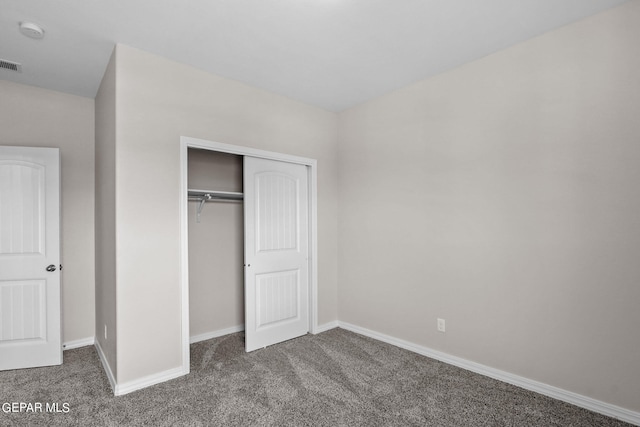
[(8, 65)]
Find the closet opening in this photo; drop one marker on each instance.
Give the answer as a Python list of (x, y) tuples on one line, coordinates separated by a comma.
[(248, 244), (216, 244)]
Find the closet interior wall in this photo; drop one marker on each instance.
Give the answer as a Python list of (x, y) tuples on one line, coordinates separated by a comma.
[(216, 248)]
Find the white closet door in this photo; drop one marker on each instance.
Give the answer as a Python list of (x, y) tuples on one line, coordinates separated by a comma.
[(276, 251), (29, 257)]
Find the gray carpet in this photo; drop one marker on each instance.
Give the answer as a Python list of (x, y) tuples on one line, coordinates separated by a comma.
[(336, 378)]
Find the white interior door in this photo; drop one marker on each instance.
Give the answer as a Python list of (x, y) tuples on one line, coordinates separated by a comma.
[(29, 257), (276, 210)]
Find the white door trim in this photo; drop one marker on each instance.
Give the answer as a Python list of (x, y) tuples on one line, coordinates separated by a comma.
[(188, 142)]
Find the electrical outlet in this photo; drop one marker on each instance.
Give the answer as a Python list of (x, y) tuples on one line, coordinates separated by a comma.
[(105, 332), (441, 326)]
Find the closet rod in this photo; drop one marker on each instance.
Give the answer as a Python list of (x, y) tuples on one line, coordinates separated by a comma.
[(203, 196), (215, 195)]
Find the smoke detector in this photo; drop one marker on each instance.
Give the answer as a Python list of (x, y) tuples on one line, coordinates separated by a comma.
[(32, 30)]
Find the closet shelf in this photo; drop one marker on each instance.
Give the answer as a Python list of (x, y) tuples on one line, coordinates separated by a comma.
[(204, 196)]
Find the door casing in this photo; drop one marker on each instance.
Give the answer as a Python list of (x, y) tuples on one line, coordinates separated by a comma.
[(311, 165)]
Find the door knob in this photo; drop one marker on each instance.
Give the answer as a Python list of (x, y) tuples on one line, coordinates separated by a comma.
[(51, 267)]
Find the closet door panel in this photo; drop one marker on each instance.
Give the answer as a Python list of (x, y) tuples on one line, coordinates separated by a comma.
[(276, 251)]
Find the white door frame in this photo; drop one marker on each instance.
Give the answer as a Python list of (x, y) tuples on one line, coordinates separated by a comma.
[(311, 164)]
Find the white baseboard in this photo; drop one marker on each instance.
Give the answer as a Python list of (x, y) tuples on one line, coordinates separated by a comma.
[(538, 387), (128, 387), (105, 366), (240, 328), (149, 380), (216, 334), (326, 327), (84, 342)]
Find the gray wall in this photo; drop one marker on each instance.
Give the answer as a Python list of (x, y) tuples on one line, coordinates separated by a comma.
[(35, 117), (157, 102), (105, 176), (216, 249), (503, 197)]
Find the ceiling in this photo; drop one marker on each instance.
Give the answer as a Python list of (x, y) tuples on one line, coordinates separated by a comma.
[(333, 54)]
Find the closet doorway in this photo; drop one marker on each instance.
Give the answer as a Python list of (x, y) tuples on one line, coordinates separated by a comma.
[(263, 249)]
